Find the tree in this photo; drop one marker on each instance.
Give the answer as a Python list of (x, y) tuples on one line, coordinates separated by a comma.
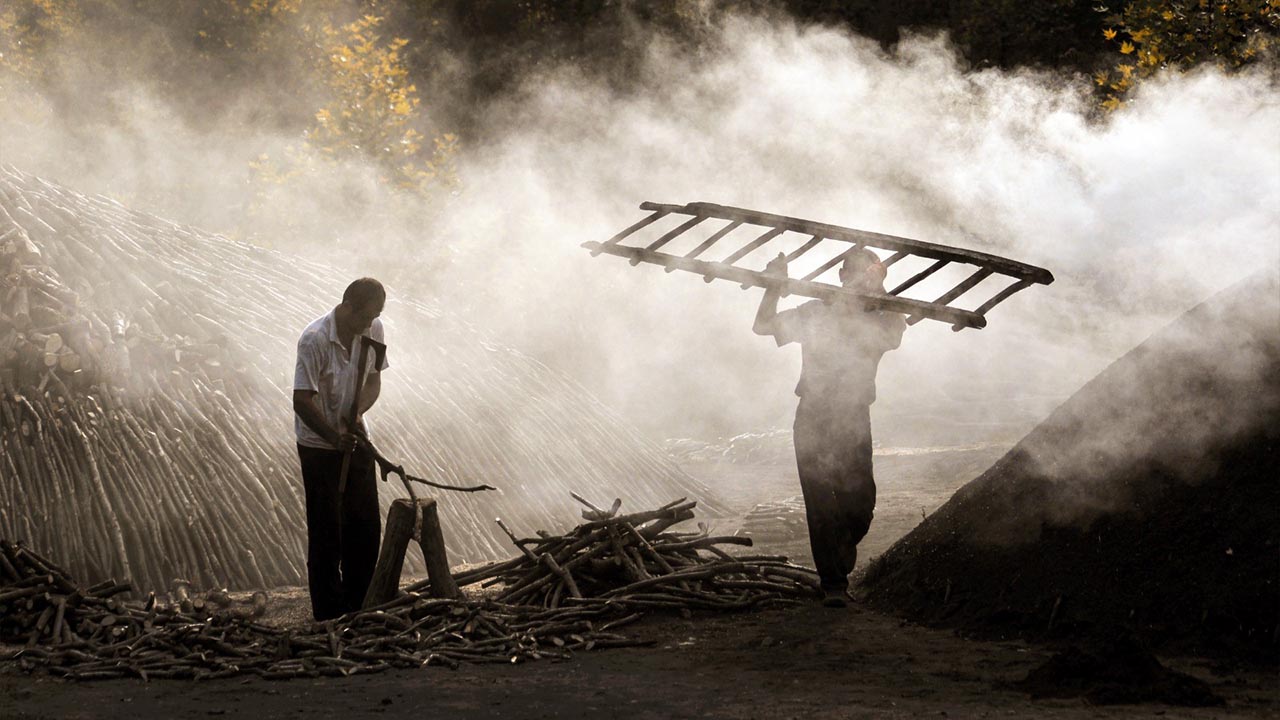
[(374, 107), (29, 28), (1180, 34)]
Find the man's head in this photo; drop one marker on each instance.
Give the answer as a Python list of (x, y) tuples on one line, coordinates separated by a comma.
[(362, 303), (863, 271)]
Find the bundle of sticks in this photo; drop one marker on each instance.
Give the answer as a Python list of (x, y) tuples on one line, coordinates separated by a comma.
[(89, 634), (637, 561)]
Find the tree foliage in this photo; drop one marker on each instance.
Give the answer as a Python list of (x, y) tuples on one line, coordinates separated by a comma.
[(29, 28), (1152, 35), (373, 106)]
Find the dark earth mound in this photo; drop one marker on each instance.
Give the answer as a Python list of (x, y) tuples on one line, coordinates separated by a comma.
[(1145, 504), (1118, 671)]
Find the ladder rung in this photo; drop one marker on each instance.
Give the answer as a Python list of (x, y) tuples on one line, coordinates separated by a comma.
[(749, 247), (734, 225), (919, 276), (810, 244), (677, 232), (1003, 295), (832, 262), (893, 258), (656, 216), (965, 286)]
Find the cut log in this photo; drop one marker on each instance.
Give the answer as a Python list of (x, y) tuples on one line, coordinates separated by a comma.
[(407, 519)]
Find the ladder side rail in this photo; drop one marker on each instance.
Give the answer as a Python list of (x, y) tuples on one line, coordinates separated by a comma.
[(922, 248)]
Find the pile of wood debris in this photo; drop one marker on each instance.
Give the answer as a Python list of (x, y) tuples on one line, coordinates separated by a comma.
[(561, 594)]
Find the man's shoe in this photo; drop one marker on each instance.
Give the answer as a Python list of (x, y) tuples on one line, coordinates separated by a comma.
[(835, 598)]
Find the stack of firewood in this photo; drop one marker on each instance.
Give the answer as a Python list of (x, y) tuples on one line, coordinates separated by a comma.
[(81, 331), (636, 561), (779, 521), (145, 420), (563, 593)]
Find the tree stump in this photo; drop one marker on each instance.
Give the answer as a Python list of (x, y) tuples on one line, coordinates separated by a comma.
[(407, 519)]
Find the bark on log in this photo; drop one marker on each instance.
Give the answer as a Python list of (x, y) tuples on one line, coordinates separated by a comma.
[(405, 519)]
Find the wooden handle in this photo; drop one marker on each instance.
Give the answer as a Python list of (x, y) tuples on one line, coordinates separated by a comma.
[(342, 477)]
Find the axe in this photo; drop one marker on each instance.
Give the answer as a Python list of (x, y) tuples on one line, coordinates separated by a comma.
[(363, 343)]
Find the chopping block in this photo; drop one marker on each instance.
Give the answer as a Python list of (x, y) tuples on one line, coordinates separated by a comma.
[(411, 519)]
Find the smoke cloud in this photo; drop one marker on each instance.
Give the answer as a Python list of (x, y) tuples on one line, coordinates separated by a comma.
[(1140, 214)]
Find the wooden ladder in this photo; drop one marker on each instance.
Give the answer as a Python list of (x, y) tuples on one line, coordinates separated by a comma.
[(769, 227)]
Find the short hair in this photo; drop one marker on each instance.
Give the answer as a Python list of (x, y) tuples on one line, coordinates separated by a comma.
[(364, 291), (862, 258)]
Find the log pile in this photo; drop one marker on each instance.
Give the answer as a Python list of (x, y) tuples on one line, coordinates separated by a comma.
[(636, 561), (145, 420), (563, 593), (779, 521)]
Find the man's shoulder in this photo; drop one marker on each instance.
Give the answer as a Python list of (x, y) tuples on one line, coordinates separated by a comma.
[(316, 332)]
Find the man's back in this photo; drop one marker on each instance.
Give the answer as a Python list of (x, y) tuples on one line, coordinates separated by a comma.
[(841, 346)]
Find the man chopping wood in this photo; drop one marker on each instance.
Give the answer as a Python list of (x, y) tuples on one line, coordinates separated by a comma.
[(841, 344), (343, 526)]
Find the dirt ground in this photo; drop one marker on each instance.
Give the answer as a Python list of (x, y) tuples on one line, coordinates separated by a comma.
[(806, 662), (801, 662), (910, 484)]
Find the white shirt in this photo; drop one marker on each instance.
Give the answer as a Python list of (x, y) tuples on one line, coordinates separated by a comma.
[(329, 369)]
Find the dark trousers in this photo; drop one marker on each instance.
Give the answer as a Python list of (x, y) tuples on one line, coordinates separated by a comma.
[(833, 455), (342, 533)]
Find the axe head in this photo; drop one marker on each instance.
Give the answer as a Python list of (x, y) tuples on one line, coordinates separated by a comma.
[(379, 349)]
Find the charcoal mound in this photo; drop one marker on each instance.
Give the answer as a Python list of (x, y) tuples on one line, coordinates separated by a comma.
[(1116, 671), (1148, 501), (145, 420)]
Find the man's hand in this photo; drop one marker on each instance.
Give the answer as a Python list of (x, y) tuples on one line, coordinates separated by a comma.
[(347, 442), (351, 438), (764, 324), (777, 266)]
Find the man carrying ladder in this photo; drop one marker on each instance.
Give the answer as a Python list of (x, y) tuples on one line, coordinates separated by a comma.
[(841, 344)]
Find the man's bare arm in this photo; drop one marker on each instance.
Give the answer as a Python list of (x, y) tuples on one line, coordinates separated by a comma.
[(304, 404), (767, 315), (372, 389)]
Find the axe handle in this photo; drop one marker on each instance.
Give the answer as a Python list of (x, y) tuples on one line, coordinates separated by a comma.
[(342, 478), (355, 411)]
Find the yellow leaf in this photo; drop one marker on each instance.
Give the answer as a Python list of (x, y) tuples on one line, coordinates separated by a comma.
[(1109, 34), (1126, 48)]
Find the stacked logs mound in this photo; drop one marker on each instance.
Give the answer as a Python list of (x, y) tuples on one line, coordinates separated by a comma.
[(777, 522), (562, 594), (1144, 506), (145, 417)]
